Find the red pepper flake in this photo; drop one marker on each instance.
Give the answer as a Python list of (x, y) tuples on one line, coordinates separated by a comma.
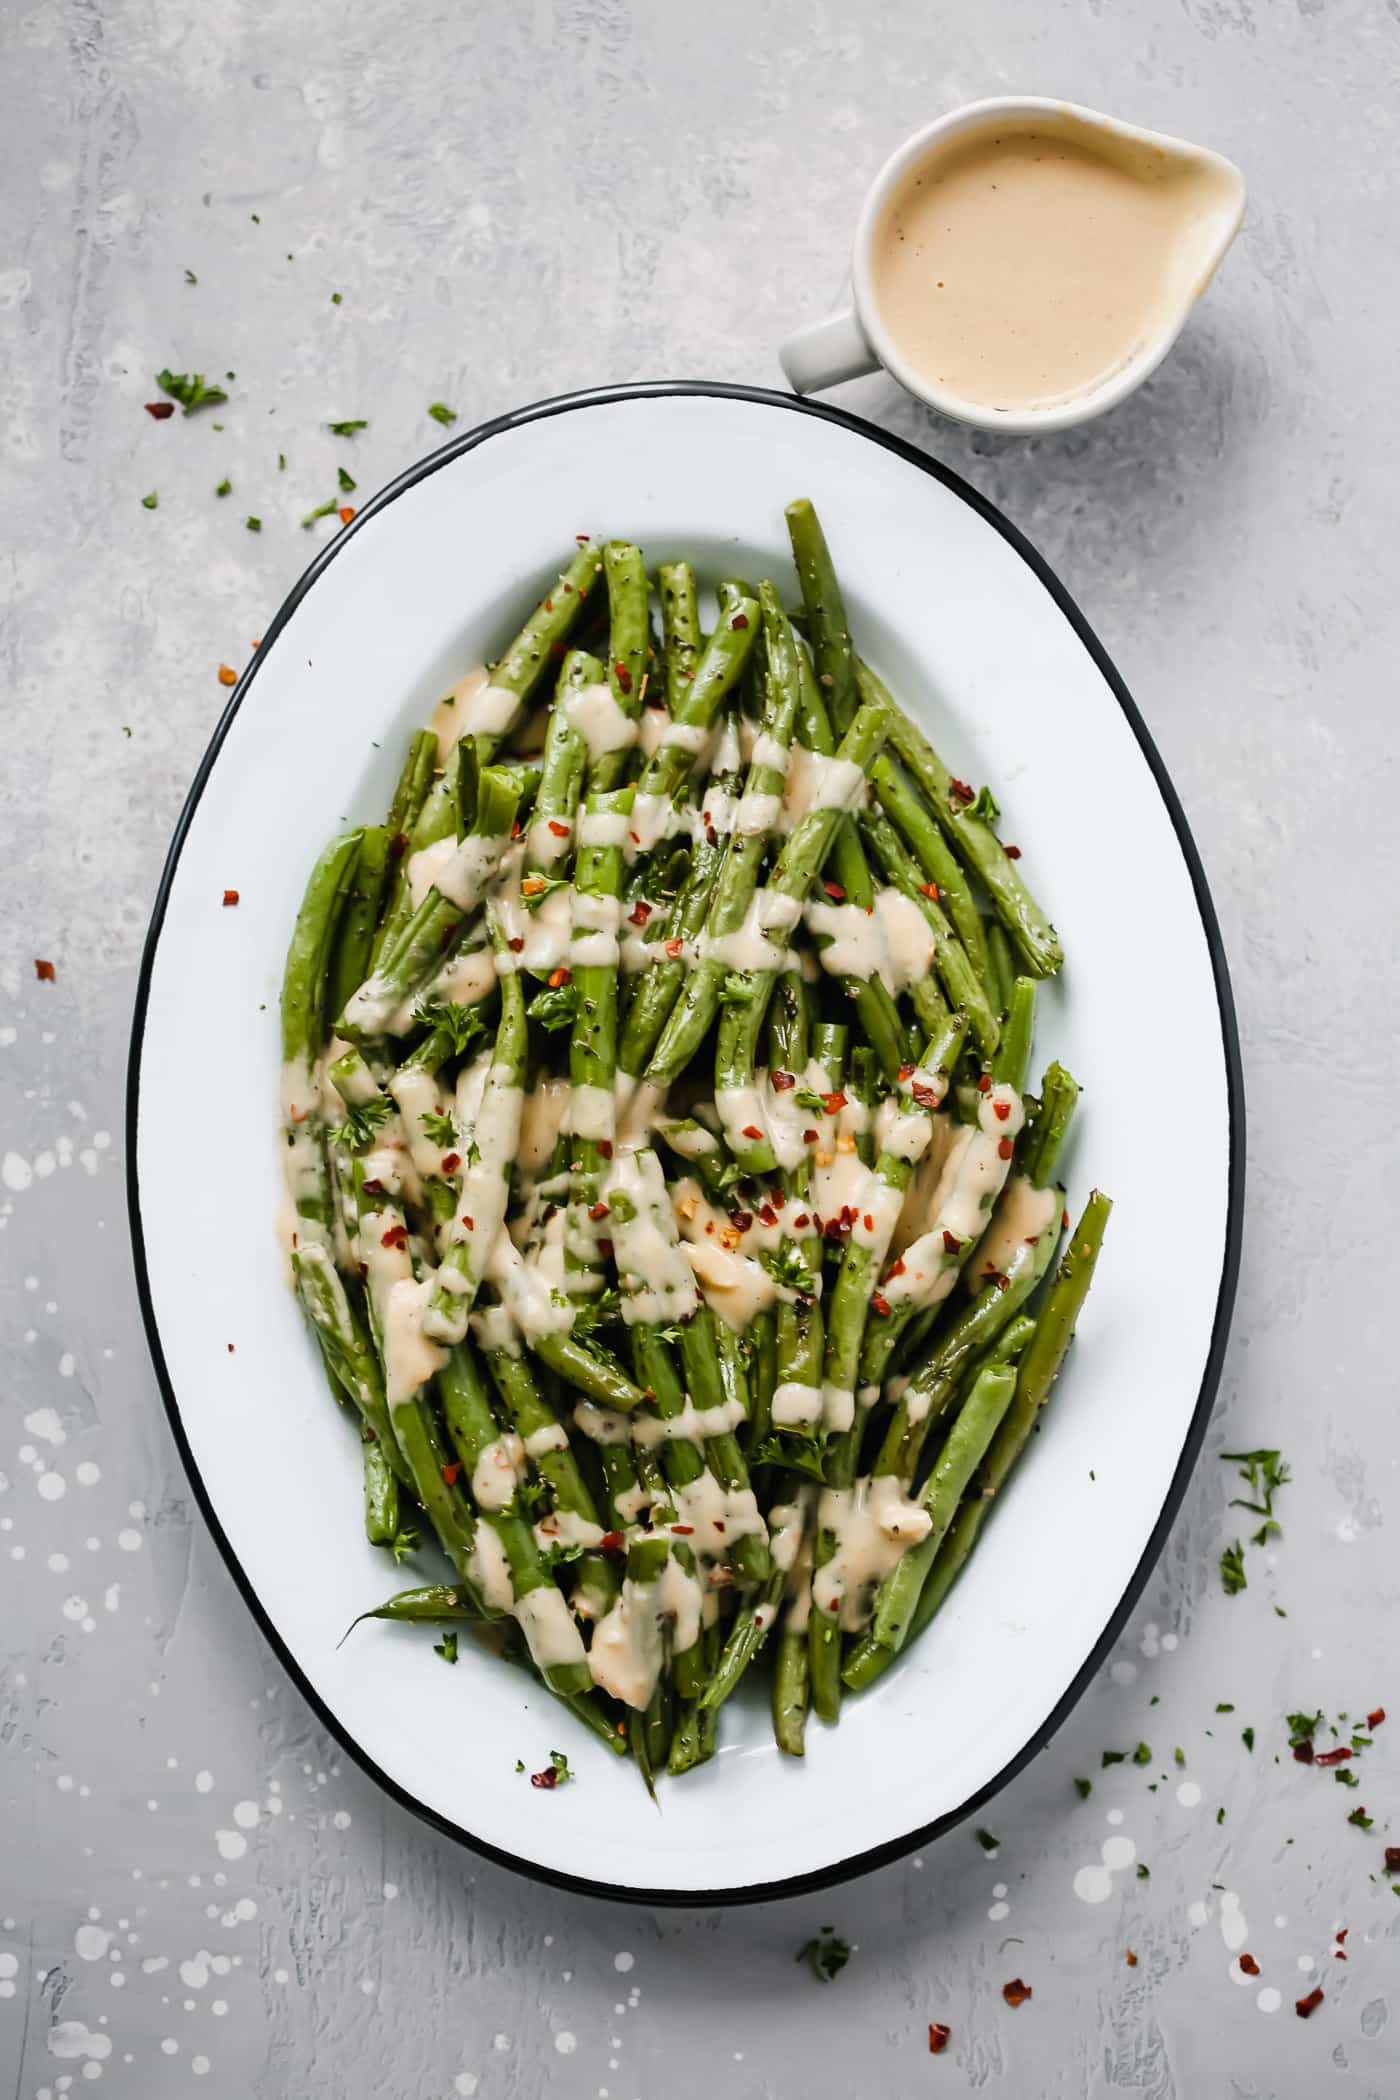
[(673, 948), (809, 1137), (907, 1071), (781, 1081), (374, 1187), (159, 409), (1012, 852), (640, 913), (611, 1542), (684, 1530), (397, 844), (230, 1348), (605, 1248), (768, 1215), (1373, 1720), (951, 1242), (449, 1473), (1064, 1221), (741, 1220), (1248, 1965), (1003, 1283), (1343, 1933), (803, 1218), (556, 649), (605, 1150), (834, 889), (230, 897), (1001, 1110), (984, 1083), (1303, 1753), (896, 1269), (549, 605), (583, 538), (1392, 1859), (924, 1095), (1338, 1756), (963, 792), (937, 2037), (346, 513), (450, 1162), (470, 1224), (558, 977), (517, 829), (930, 890), (1005, 1148), (624, 677), (548, 1779), (227, 675), (597, 1211), (1337, 1953), (881, 1304), (1016, 1993), (561, 831), (396, 1236), (752, 1132), (837, 1229), (740, 620), (834, 1103), (1130, 1958), (1306, 2007), (44, 971), (516, 943), (869, 1222)]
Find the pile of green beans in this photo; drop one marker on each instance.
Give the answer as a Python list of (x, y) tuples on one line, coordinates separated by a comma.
[(669, 1200)]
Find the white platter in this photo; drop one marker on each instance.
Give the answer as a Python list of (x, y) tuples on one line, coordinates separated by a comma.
[(987, 650)]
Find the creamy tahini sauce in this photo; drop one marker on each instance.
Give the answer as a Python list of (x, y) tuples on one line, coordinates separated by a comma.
[(1021, 265)]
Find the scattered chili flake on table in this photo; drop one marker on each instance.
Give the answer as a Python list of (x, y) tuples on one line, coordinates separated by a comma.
[(230, 897), (938, 2036), (1375, 1717), (1130, 1958), (1016, 1992), (1392, 1859), (160, 409), (1306, 2007), (44, 971), (346, 513), (1248, 1965), (227, 675), (1012, 852), (555, 1773)]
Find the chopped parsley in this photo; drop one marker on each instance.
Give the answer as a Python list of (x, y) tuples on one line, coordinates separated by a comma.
[(253, 524), (1113, 1757), (1247, 1738), (281, 462), (225, 487), (460, 1024), (1303, 1727), (1232, 1574), (441, 413), (335, 298), (151, 502), (439, 1127), (189, 389), (446, 1647), (1143, 1754), (1084, 1787), (1144, 1873), (825, 1954), (190, 277), (348, 427), (987, 1841), (346, 481), (787, 1268), (404, 1542), (1225, 1706), (985, 806), (322, 510), (362, 1119), (1345, 1776), (1265, 1473), (1360, 1818)]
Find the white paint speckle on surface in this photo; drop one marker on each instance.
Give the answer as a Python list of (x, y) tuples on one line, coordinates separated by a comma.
[(1188, 1794), (1269, 1999)]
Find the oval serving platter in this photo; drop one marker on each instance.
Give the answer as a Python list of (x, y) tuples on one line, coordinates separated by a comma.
[(984, 647)]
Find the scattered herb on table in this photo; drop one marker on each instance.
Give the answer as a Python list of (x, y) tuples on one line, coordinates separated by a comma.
[(1113, 1757), (441, 413), (446, 1647), (825, 1954), (253, 524), (1143, 1754), (1225, 1706), (346, 481), (225, 487), (404, 1542), (1265, 1473), (322, 510), (1084, 1787), (190, 277), (1144, 1873), (335, 298), (1360, 1819), (189, 389), (987, 1841), (151, 502), (347, 428), (1232, 1573)]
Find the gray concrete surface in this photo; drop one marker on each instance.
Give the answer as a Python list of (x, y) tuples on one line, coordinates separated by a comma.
[(198, 1894)]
